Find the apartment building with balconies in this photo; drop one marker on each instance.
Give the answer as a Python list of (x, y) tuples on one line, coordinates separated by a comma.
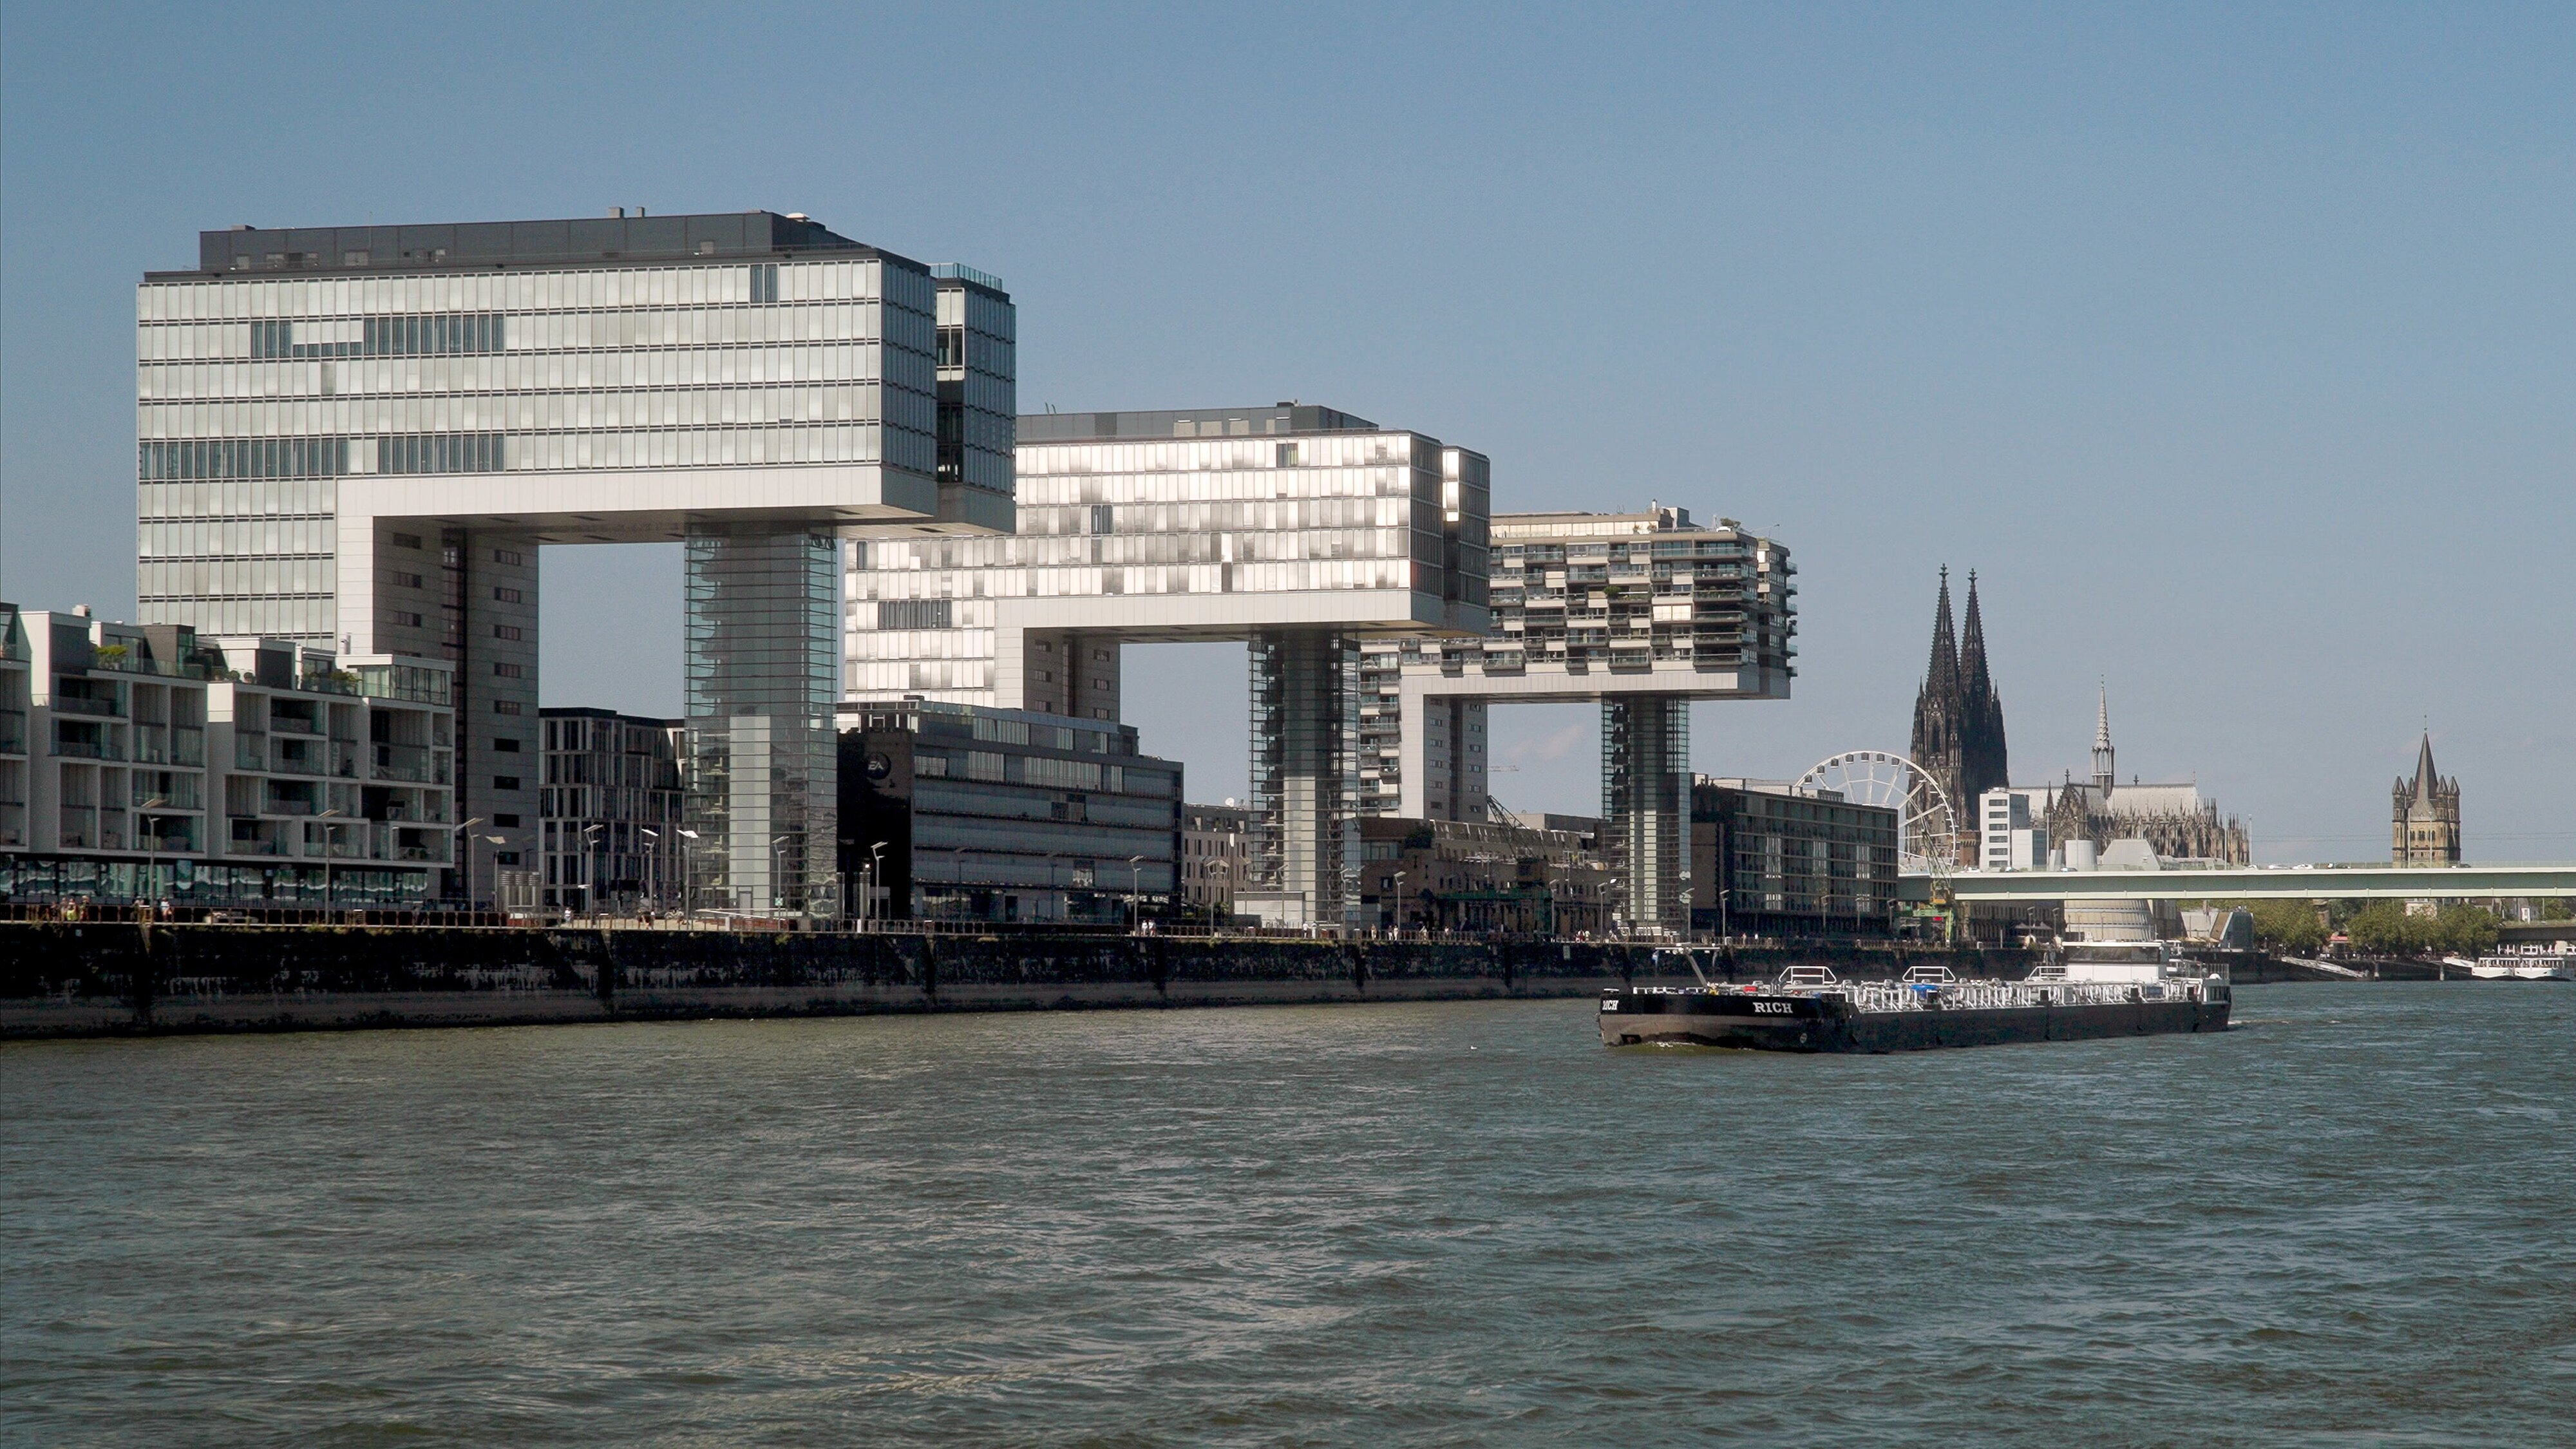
[(141, 762)]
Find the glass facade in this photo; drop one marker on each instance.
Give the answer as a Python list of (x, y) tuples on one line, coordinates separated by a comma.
[(1645, 806), (760, 627), (362, 437), (255, 395), (1177, 523)]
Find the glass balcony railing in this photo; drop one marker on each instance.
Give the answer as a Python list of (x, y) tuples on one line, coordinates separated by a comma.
[(84, 704)]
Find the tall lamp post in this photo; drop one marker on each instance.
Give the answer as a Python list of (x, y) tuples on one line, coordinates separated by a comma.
[(459, 843), (590, 866), (152, 850), (876, 882), (1134, 914), (330, 835)]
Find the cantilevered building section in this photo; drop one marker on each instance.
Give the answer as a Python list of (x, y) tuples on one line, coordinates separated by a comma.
[(1639, 612), (361, 436), (1304, 531)]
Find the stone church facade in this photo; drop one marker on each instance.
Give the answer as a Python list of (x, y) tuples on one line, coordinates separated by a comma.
[(2173, 819)]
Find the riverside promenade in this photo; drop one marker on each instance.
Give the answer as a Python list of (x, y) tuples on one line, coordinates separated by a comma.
[(63, 979)]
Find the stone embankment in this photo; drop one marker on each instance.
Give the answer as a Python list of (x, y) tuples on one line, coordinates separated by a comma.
[(116, 979)]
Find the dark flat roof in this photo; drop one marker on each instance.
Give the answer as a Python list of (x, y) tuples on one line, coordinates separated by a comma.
[(1257, 421), (451, 246)]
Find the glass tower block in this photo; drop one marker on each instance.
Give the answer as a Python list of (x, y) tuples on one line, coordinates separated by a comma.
[(763, 644)]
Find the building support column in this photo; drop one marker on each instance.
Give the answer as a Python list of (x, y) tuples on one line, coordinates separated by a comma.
[(1645, 807), (1305, 732), (762, 650)]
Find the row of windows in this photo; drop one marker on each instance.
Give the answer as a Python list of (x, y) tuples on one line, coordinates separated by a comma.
[(244, 458), (1236, 551), (273, 458), (861, 323), (228, 458), (366, 380), (237, 498), (378, 336), (234, 537), (520, 290), (1328, 450), (440, 453), (731, 407), (234, 577), (308, 619)]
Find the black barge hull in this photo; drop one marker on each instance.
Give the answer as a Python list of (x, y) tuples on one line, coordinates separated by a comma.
[(1828, 1024)]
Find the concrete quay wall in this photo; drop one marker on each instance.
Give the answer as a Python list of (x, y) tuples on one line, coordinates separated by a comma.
[(120, 978)]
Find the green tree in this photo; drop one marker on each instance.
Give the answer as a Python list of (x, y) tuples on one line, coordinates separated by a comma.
[(2383, 928), (2463, 930), (2290, 926)]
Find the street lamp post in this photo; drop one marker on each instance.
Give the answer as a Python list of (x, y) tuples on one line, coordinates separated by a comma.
[(329, 832), (876, 882), (151, 850), (590, 866), (1134, 915), (458, 842)]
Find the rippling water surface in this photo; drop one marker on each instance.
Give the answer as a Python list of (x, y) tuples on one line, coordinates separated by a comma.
[(2346, 1222)]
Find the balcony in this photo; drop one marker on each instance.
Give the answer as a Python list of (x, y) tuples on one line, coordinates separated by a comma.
[(83, 704), (13, 732), (405, 762), (88, 750), (188, 746), (250, 752)]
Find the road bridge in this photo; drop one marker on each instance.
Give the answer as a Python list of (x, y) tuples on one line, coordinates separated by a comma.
[(2291, 882)]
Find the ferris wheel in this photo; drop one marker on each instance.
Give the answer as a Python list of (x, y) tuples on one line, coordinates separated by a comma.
[(1927, 829)]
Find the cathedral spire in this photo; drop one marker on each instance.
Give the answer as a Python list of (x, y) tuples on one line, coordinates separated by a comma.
[(1942, 678), (1972, 647), (1985, 764), (2103, 774), (2427, 780)]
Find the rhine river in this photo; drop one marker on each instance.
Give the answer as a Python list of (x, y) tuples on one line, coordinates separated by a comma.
[(2346, 1222)]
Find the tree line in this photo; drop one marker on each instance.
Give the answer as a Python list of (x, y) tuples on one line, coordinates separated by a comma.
[(2375, 928)]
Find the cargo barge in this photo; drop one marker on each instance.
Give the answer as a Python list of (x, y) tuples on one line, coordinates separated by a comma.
[(1808, 1009)]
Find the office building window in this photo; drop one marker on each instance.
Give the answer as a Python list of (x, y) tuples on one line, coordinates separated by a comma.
[(508, 596), (406, 540), (506, 631), (508, 556), (504, 782), (505, 822), (506, 745), (506, 670), (505, 706)]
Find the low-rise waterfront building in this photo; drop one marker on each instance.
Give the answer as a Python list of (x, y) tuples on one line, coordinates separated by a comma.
[(1216, 855), (968, 812), (1477, 877), (611, 809), (154, 764), (1776, 859)]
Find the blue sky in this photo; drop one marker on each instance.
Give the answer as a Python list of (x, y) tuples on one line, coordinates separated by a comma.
[(2235, 346)]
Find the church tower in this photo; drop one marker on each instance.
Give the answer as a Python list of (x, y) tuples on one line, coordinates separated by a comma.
[(2104, 776), (2425, 829), (1940, 720), (1982, 764)]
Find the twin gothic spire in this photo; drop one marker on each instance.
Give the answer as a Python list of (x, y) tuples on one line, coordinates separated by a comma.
[(1958, 714)]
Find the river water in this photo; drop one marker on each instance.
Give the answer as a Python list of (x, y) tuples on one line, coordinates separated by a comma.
[(2345, 1222)]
